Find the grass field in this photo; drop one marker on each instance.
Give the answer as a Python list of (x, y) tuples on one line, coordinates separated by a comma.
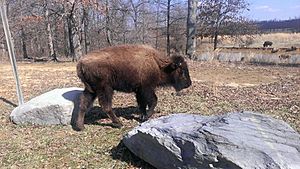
[(280, 40), (217, 88)]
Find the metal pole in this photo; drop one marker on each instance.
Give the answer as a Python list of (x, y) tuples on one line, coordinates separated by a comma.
[(11, 51)]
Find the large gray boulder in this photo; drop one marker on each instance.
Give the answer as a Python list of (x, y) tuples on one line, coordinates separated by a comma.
[(53, 107), (235, 140)]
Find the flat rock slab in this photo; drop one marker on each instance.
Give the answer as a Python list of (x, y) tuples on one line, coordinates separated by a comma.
[(53, 107), (236, 140)]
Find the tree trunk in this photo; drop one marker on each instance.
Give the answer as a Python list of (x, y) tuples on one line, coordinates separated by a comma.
[(70, 39), (84, 26), (52, 54), (107, 27), (124, 27), (168, 27), (191, 28), (23, 36), (157, 23), (66, 41), (144, 31), (74, 38), (85, 38), (24, 46), (135, 21), (216, 38), (77, 44), (143, 22)]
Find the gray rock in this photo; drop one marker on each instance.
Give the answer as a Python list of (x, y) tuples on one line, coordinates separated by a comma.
[(53, 107), (236, 140)]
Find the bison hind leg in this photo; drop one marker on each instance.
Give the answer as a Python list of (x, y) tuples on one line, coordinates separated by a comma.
[(142, 106), (105, 100), (151, 102), (86, 100)]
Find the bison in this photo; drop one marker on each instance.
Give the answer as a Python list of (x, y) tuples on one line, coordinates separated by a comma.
[(267, 44), (293, 48), (128, 68), (284, 56)]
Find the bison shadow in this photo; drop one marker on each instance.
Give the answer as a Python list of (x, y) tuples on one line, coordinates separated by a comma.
[(95, 114), (122, 153)]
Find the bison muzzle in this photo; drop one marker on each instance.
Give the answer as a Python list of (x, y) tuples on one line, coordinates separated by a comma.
[(127, 68)]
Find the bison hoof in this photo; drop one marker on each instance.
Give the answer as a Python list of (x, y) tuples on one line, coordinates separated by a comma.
[(144, 118), (78, 127), (117, 125)]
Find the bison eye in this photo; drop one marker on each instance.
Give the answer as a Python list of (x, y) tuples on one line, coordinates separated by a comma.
[(182, 73)]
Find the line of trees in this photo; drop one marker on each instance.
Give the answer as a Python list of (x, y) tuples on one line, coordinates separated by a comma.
[(291, 25), (71, 28)]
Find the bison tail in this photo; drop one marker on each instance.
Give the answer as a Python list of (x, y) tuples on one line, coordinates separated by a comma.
[(82, 76)]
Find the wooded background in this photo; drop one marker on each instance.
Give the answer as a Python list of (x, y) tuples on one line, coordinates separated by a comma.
[(71, 28)]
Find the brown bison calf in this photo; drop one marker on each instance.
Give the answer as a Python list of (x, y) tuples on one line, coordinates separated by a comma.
[(128, 68)]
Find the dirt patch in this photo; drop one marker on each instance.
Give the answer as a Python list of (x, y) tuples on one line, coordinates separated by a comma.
[(217, 88)]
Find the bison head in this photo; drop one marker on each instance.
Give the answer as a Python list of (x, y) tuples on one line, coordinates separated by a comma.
[(178, 73)]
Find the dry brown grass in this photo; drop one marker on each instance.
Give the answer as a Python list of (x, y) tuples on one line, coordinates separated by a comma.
[(280, 40), (230, 50), (217, 88)]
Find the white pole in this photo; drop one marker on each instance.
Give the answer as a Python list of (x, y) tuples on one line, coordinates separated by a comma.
[(11, 51)]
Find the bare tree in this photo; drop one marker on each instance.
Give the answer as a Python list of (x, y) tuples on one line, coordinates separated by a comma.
[(218, 12), (168, 23), (52, 53), (24, 46), (84, 26), (23, 35), (168, 27), (74, 29), (107, 23), (191, 28), (56, 28), (157, 23), (241, 31)]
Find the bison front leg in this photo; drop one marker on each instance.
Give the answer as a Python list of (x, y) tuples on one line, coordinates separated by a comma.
[(105, 99), (146, 98), (151, 102), (86, 100), (141, 100)]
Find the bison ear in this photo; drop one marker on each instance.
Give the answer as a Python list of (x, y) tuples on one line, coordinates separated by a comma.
[(176, 62)]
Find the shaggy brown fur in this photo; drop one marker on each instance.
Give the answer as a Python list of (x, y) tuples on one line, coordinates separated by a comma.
[(128, 68)]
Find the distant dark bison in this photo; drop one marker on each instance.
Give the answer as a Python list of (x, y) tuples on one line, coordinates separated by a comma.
[(267, 44), (293, 48), (128, 68), (284, 56)]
